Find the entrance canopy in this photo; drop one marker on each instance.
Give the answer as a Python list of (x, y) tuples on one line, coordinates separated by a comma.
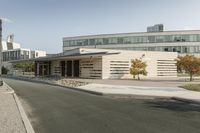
[(68, 64), (71, 56)]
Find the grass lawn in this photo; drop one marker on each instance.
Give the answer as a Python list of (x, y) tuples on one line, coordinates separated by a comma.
[(192, 87)]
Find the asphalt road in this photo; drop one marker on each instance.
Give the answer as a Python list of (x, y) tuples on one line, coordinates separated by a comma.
[(54, 109)]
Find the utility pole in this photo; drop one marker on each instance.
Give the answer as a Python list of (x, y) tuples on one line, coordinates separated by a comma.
[(1, 54), (1, 47)]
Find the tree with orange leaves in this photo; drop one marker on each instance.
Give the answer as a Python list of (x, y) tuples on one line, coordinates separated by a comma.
[(190, 64), (138, 68)]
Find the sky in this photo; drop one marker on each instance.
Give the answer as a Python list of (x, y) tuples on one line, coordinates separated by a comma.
[(41, 24)]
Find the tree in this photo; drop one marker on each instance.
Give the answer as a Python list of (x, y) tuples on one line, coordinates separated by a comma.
[(190, 64), (138, 68), (4, 70), (25, 67)]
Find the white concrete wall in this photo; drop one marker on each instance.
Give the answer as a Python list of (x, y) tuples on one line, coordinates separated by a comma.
[(16, 45), (39, 53), (4, 46), (91, 68), (55, 68), (116, 64), (151, 58)]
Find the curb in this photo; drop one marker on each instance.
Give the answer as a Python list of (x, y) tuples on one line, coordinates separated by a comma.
[(11, 90), (152, 97), (26, 122), (186, 100), (48, 83), (112, 95)]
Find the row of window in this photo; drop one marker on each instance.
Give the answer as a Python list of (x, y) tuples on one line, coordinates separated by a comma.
[(179, 49), (15, 55), (133, 40)]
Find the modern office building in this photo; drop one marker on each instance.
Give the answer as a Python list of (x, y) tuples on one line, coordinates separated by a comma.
[(183, 42), (104, 64), (13, 51), (16, 54), (21, 54)]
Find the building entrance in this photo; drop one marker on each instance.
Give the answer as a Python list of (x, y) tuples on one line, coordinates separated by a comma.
[(76, 68), (62, 68), (69, 69)]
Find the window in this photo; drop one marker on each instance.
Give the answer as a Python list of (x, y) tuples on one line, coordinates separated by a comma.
[(127, 40), (151, 39), (92, 42), (159, 39), (168, 38), (120, 40), (112, 40), (98, 41), (185, 49), (177, 38), (166, 49), (79, 43), (66, 43), (71, 43), (85, 42), (105, 40)]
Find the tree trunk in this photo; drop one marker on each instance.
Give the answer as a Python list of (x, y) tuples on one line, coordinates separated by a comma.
[(138, 77), (191, 76)]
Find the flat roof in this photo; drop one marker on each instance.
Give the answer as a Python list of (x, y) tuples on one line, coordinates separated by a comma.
[(16, 49), (132, 33), (60, 57)]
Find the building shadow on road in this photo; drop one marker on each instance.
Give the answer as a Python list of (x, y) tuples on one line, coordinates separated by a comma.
[(173, 105)]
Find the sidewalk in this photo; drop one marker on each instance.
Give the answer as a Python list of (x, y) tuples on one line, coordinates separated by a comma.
[(168, 92), (11, 112)]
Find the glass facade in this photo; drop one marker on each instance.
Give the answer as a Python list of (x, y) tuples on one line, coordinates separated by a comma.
[(142, 40), (179, 49), (133, 40), (15, 55)]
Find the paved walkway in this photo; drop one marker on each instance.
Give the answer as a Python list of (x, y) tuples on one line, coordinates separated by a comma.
[(154, 82), (10, 118), (171, 92)]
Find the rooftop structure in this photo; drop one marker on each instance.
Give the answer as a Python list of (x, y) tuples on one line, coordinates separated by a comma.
[(156, 28)]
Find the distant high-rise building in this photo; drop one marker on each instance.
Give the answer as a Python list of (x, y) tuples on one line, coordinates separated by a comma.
[(156, 28)]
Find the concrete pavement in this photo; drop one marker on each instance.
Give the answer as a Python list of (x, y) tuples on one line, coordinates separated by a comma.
[(170, 92), (10, 118), (13, 118)]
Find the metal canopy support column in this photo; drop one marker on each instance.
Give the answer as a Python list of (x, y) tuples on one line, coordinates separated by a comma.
[(72, 68), (38, 67)]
